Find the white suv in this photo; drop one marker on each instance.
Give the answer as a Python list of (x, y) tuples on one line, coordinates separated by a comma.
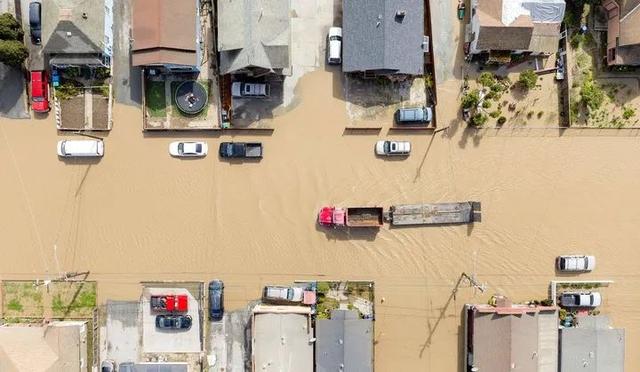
[(334, 50)]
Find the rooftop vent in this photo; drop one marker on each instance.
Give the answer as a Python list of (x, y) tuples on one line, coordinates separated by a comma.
[(400, 14), (68, 33)]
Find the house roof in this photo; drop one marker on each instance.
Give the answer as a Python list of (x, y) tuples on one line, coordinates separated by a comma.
[(344, 342), (253, 34), (281, 340), (630, 23), (375, 37), (52, 348), (592, 346), (521, 336), (73, 26), (531, 24), (164, 32)]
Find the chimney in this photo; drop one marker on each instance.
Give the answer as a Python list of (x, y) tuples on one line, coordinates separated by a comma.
[(400, 14)]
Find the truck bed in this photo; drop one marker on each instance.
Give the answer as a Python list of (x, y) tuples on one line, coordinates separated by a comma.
[(253, 150), (364, 216), (438, 213)]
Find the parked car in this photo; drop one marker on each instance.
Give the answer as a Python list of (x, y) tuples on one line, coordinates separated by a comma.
[(173, 321), (35, 21), (334, 50), (575, 263), (216, 299), (107, 366), (126, 367), (170, 303), (580, 299), (284, 295), (240, 150), (80, 148), (250, 90), (188, 149), (39, 91), (414, 115), (390, 148)]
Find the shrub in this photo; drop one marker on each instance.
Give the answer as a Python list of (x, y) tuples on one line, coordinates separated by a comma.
[(628, 112), (529, 114), (591, 94), (487, 79), (502, 120), (486, 104), (471, 99), (67, 91), (540, 113), (102, 73), (495, 114), (12, 52), (479, 119), (10, 28), (528, 79)]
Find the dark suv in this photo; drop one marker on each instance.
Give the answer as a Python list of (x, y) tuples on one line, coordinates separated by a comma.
[(216, 299), (173, 321), (35, 22)]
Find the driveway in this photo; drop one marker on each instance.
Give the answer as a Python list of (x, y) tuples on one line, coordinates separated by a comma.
[(229, 341), (122, 332), (35, 61), (126, 79), (12, 94)]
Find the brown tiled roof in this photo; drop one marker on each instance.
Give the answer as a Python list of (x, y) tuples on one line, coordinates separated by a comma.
[(164, 32), (504, 38)]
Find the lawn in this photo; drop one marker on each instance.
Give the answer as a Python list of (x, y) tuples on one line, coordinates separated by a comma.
[(22, 299), (155, 99), (73, 299)]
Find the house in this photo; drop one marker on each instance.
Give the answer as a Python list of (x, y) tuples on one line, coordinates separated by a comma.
[(592, 346), (57, 346), (344, 343), (383, 37), (78, 35), (166, 34), (504, 27), (623, 32), (254, 37), (282, 339), (508, 337)]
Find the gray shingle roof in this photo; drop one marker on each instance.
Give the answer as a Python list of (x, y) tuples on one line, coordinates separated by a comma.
[(253, 34), (344, 343), (592, 347), (376, 38)]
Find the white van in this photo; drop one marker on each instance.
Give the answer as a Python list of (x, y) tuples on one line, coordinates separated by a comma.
[(73, 148), (334, 55)]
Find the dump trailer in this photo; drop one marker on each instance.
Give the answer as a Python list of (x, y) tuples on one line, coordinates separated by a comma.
[(434, 213)]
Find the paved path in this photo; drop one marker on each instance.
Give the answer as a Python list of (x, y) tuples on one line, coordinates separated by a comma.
[(12, 94)]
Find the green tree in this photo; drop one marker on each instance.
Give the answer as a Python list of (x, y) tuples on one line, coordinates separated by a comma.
[(10, 28), (528, 79), (12, 52), (471, 99), (487, 79)]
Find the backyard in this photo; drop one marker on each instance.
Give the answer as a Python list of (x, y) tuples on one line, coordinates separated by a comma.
[(345, 295), (512, 96), (600, 96), (28, 300)]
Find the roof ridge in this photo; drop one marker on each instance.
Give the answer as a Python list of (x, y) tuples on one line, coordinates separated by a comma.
[(630, 12)]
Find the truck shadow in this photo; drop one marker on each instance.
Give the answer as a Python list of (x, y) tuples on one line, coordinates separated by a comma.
[(345, 233)]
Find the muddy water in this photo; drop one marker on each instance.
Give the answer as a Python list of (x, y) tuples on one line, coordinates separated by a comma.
[(138, 214)]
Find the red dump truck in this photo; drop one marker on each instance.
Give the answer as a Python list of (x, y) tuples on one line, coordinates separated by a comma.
[(170, 303), (351, 216)]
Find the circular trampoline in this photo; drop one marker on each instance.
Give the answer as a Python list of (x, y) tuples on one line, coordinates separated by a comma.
[(191, 97)]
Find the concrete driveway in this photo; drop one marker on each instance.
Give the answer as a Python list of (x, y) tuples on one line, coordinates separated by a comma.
[(122, 333), (12, 94), (35, 61), (126, 79)]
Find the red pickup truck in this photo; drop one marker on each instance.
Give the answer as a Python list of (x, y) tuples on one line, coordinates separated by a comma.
[(170, 303)]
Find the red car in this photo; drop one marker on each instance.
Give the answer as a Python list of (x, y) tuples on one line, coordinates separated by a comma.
[(39, 91)]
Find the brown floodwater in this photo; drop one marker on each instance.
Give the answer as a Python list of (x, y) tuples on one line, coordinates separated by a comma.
[(138, 214)]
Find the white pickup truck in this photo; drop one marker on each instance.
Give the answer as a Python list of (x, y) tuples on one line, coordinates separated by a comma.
[(575, 263), (250, 90), (284, 295)]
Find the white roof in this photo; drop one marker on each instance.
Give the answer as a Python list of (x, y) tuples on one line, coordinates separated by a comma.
[(540, 11), (282, 342)]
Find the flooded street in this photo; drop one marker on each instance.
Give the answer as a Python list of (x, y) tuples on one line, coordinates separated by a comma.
[(138, 214)]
